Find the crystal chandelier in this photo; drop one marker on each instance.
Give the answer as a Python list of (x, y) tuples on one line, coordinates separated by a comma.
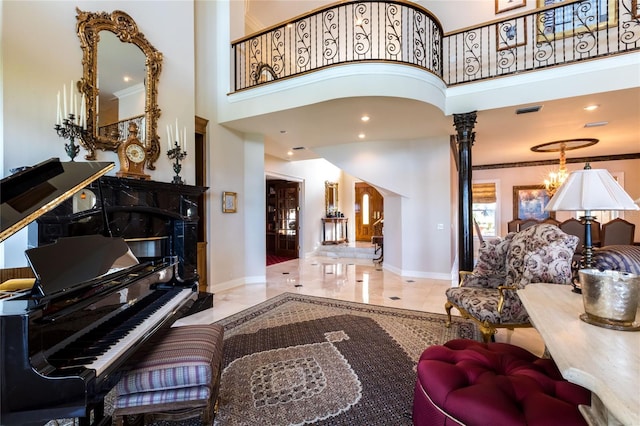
[(556, 179)]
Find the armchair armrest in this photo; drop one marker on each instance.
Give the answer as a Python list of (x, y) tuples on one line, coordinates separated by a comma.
[(502, 289), (463, 276)]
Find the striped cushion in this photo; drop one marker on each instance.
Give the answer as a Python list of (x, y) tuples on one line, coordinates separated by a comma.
[(178, 365), (163, 397), (617, 258)]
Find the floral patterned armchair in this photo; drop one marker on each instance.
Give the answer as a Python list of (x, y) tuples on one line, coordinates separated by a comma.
[(539, 254)]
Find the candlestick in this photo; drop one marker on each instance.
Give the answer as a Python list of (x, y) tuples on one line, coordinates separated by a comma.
[(177, 154), (72, 131)]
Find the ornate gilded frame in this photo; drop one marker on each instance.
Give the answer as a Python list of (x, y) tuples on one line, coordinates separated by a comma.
[(88, 27), (330, 197)]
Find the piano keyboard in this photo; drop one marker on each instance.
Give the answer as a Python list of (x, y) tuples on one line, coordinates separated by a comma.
[(103, 345)]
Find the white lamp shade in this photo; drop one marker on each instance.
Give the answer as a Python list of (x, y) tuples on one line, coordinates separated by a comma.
[(591, 189)]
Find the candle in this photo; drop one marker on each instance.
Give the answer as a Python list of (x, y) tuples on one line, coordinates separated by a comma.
[(184, 139), (58, 121), (64, 97), (169, 137), (177, 131), (71, 99), (83, 109)]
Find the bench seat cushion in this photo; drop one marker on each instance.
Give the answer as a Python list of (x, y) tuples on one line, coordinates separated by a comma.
[(179, 365)]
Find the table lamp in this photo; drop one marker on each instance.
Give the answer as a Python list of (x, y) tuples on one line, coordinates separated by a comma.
[(590, 189), (610, 297)]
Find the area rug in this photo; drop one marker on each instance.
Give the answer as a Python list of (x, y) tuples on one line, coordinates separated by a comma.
[(272, 259), (296, 360)]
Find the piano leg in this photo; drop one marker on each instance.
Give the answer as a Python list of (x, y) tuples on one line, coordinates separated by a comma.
[(95, 416)]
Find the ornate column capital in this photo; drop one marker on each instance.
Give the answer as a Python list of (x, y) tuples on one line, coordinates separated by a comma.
[(464, 126)]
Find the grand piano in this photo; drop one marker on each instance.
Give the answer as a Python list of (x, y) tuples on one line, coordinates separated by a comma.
[(94, 302)]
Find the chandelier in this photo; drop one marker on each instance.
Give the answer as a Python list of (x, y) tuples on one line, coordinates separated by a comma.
[(557, 178)]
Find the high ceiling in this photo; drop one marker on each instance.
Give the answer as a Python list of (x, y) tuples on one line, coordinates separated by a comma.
[(502, 136)]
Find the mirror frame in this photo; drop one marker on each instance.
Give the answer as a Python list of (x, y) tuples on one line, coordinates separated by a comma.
[(330, 189), (88, 27)]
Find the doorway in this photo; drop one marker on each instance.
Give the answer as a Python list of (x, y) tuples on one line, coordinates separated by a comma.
[(282, 216), (369, 211), (201, 180)]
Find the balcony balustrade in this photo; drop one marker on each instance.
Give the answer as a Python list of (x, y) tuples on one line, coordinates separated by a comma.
[(405, 33)]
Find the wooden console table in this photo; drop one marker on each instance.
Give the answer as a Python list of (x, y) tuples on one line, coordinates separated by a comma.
[(607, 362), (334, 230)]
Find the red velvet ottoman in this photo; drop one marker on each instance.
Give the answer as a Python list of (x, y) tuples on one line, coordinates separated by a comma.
[(472, 383)]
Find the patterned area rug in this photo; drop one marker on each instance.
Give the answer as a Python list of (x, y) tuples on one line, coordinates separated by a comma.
[(296, 360)]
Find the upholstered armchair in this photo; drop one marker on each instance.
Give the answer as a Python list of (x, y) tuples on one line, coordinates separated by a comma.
[(539, 254)]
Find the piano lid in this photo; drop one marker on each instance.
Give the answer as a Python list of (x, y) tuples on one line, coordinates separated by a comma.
[(28, 194)]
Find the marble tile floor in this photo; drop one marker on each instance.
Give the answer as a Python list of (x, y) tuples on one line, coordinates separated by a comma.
[(350, 279)]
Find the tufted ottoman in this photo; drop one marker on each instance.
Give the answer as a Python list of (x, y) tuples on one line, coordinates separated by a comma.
[(472, 383), (176, 377)]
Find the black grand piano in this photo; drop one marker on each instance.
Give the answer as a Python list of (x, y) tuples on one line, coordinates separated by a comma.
[(93, 304)]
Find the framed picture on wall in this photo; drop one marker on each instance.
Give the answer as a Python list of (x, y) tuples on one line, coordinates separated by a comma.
[(529, 202), (504, 5), (229, 202), (576, 18)]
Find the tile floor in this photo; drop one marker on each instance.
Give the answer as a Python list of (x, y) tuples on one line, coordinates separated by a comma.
[(357, 280)]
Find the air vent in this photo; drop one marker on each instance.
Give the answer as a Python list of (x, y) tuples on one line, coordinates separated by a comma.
[(297, 148), (527, 110), (596, 124)]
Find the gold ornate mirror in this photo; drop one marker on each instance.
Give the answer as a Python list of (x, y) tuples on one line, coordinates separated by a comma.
[(113, 50), (330, 198)]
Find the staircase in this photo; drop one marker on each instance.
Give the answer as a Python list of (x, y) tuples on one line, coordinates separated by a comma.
[(357, 250)]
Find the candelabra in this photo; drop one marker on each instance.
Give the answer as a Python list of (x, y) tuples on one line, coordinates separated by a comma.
[(178, 155), (72, 131)]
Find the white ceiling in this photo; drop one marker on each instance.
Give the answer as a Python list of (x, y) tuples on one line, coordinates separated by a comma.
[(502, 136)]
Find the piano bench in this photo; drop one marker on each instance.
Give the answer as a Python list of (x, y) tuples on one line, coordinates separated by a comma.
[(176, 377)]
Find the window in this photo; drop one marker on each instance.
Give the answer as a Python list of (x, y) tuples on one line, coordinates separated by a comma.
[(484, 206)]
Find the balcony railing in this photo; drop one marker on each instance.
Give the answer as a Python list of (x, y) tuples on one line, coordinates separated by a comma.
[(399, 32)]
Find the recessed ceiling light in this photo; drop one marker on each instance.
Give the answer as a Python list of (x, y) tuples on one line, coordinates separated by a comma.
[(591, 107), (289, 153), (596, 124), (361, 135), (283, 131), (126, 78), (297, 148), (365, 118)]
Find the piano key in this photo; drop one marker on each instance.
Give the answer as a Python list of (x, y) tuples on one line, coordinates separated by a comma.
[(114, 352)]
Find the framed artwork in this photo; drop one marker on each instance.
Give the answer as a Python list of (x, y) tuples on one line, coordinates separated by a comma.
[(529, 202), (511, 33), (229, 202), (576, 18), (504, 5), (635, 10)]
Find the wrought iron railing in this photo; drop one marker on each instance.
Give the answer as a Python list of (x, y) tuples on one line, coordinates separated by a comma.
[(399, 32), (119, 129)]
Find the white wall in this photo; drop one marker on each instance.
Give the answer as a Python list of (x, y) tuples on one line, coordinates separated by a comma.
[(265, 13), (415, 176)]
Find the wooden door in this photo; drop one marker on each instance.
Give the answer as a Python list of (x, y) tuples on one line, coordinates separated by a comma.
[(287, 214), (369, 209)]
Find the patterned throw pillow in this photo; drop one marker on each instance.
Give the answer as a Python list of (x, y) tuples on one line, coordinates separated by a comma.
[(534, 246), (492, 257), (549, 264)]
